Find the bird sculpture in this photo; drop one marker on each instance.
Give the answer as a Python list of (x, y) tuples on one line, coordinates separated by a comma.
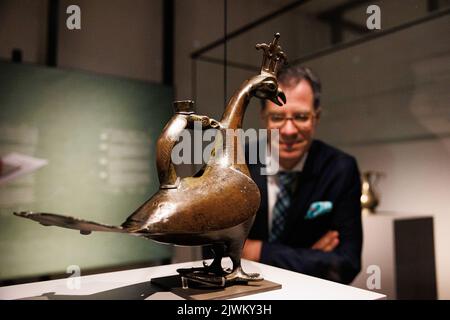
[(218, 204)]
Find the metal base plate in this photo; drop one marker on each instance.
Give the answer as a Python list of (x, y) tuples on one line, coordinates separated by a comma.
[(198, 291)]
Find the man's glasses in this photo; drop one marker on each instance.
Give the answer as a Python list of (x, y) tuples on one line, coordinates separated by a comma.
[(278, 120)]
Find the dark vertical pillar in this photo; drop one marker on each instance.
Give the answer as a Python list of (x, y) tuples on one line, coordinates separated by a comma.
[(225, 42), (414, 259), (16, 56), (52, 33), (336, 30), (432, 5), (194, 79), (168, 41)]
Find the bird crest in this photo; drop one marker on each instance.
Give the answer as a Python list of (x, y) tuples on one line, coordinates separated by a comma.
[(272, 55)]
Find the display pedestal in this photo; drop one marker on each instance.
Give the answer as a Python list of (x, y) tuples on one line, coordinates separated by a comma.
[(136, 284), (199, 292), (398, 249)]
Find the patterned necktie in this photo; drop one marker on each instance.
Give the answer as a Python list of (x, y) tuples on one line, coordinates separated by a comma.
[(286, 180)]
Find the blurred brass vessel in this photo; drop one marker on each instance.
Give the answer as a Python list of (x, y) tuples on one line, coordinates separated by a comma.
[(369, 196)]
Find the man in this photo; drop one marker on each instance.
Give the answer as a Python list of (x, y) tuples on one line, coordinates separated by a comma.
[(309, 220)]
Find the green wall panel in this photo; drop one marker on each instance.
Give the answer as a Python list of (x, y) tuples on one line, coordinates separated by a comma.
[(98, 134)]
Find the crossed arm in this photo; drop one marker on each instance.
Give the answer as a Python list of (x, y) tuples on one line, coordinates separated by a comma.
[(328, 242)]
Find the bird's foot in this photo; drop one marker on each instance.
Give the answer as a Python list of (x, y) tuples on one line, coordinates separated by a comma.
[(239, 275)]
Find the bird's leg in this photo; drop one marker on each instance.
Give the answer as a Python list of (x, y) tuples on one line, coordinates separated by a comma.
[(216, 266), (238, 274)]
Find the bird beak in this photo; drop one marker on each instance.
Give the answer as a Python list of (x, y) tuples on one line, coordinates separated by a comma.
[(279, 99)]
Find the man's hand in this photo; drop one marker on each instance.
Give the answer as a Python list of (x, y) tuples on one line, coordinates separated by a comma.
[(328, 242), (252, 250)]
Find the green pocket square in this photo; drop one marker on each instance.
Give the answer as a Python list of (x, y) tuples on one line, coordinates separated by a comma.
[(318, 208)]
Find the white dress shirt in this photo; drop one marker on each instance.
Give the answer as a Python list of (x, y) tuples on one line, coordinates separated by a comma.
[(273, 184)]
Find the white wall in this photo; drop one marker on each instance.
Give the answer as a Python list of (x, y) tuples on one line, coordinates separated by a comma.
[(416, 183), (387, 103)]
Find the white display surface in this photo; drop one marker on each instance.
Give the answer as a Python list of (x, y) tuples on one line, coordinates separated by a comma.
[(134, 284)]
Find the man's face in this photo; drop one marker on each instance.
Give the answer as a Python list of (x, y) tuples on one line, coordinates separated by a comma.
[(297, 131)]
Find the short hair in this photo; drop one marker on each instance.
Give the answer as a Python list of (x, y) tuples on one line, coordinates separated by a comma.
[(291, 76)]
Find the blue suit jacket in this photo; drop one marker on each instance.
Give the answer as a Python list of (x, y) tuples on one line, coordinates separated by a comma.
[(328, 175)]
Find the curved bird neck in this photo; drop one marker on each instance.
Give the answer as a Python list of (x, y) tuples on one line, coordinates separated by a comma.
[(234, 112)]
